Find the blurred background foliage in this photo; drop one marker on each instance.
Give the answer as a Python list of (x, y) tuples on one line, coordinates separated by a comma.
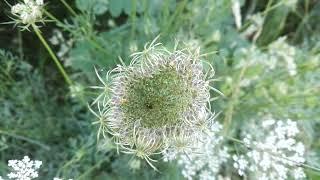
[(267, 64)]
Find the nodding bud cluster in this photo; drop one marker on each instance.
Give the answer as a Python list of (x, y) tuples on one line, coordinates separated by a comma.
[(159, 101), (28, 12)]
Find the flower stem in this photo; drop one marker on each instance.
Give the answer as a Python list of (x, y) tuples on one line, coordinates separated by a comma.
[(32, 141), (133, 18), (68, 7), (234, 100), (54, 57), (90, 39)]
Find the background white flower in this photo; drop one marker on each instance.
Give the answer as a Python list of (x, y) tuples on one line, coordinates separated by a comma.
[(204, 160), (28, 12), (24, 169), (274, 153)]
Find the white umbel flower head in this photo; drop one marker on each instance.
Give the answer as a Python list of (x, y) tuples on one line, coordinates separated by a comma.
[(157, 102), (274, 153), (28, 12), (24, 169), (206, 160)]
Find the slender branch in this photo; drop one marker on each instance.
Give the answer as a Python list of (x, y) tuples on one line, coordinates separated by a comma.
[(88, 171), (133, 18), (54, 57), (68, 7), (91, 40), (25, 139), (234, 98)]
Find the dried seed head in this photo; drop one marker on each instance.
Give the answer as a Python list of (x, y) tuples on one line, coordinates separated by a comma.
[(159, 101)]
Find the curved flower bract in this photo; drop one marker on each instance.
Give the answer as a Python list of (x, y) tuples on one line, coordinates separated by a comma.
[(157, 102)]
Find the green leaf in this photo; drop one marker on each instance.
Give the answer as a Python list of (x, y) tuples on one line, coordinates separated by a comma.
[(97, 7), (83, 5), (273, 25), (100, 7), (116, 7)]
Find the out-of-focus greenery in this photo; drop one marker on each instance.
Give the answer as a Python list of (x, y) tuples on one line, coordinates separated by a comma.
[(42, 118)]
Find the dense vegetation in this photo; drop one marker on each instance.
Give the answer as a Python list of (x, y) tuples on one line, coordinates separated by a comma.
[(266, 55)]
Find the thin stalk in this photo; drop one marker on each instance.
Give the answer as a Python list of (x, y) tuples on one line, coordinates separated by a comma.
[(25, 139), (74, 159), (54, 57), (265, 12), (133, 18), (91, 40), (269, 7), (88, 171), (234, 99), (179, 10), (68, 7), (20, 42)]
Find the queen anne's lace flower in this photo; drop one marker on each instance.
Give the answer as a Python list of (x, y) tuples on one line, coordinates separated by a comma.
[(274, 153), (28, 12), (157, 102), (24, 169), (205, 161)]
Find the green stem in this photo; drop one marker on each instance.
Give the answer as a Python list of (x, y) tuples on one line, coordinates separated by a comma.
[(68, 7), (20, 45), (133, 18), (88, 171), (91, 40), (176, 14), (54, 57), (234, 99), (25, 139)]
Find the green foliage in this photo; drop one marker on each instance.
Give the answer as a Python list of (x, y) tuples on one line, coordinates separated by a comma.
[(98, 7), (41, 118), (275, 20)]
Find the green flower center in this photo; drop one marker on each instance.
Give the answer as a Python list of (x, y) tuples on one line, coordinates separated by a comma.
[(158, 100)]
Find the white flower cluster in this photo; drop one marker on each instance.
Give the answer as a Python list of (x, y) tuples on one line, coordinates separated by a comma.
[(24, 169), (28, 11), (273, 151), (280, 55), (64, 45), (280, 50), (204, 159)]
